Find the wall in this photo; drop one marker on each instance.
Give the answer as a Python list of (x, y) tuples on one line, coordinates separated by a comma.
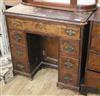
[(4, 45)]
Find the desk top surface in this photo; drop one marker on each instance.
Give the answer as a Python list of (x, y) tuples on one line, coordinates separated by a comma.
[(31, 12), (95, 16)]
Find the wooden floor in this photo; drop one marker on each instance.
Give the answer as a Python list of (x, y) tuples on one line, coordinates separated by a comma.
[(43, 84)]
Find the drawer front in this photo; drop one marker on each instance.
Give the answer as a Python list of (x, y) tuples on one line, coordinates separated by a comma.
[(19, 24), (70, 48), (94, 62), (20, 66), (96, 29), (95, 43), (20, 59), (68, 78), (17, 37), (19, 52), (68, 64), (68, 30), (92, 79)]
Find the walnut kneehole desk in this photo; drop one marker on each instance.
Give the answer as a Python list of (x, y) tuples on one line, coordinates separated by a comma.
[(56, 38)]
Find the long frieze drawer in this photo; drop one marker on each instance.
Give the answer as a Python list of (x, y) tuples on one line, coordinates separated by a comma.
[(92, 79), (68, 64), (67, 30), (96, 29), (95, 43), (94, 62), (19, 23), (69, 78), (70, 48), (17, 37)]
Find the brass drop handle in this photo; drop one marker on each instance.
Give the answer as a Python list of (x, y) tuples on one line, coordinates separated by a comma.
[(19, 52), (70, 32), (16, 23), (39, 26), (69, 48), (18, 37), (20, 66), (98, 81), (68, 64), (67, 78)]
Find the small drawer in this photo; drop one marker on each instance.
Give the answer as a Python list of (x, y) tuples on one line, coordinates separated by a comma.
[(94, 62), (18, 65), (71, 32), (96, 29), (20, 53), (68, 64), (95, 43), (69, 78), (17, 37), (70, 48), (92, 79), (20, 58)]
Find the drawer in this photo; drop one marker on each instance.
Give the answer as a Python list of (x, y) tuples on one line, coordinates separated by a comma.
[(70, 48), (17, 37), (19, 65), (70, 32), (19, 52), (19, 57), (68, 64), (69, 78), (92, 79), (94, 62), (95, 43), (19, 23), (43, 27), (96, 29)]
